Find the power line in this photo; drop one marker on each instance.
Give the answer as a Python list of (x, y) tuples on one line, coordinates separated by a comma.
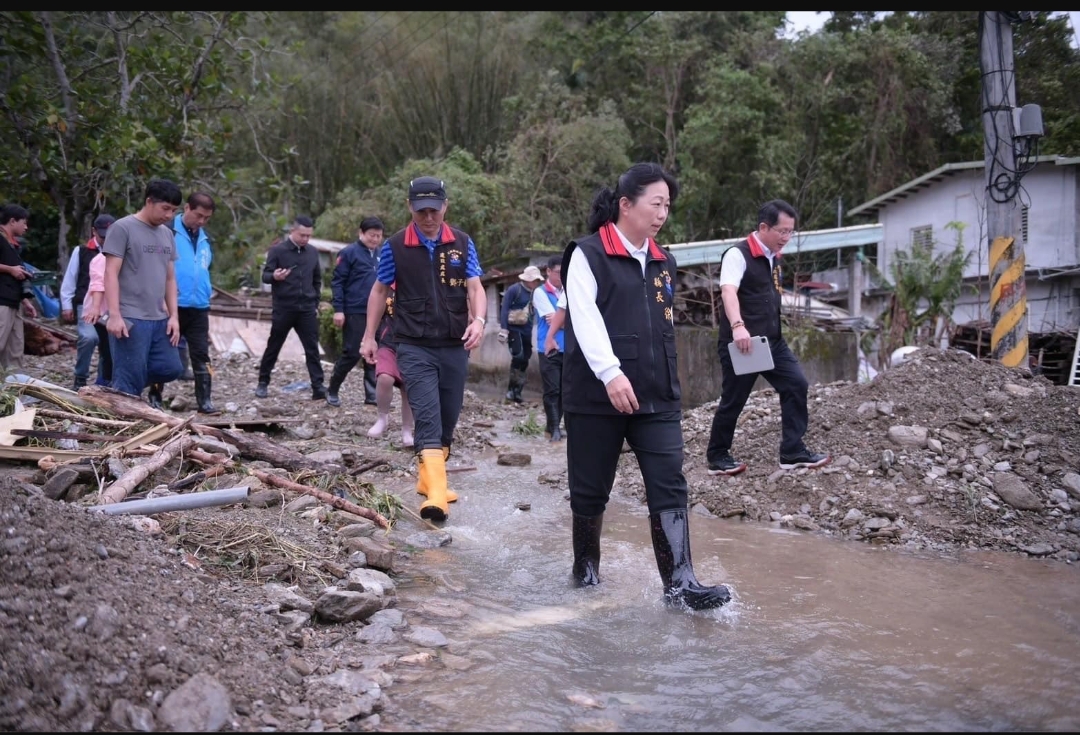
[(608, 46)]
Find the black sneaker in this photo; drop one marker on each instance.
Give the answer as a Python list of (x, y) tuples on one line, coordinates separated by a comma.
[(725, 464), (333, 400), (318, 393), (261, 391), (805, 458)]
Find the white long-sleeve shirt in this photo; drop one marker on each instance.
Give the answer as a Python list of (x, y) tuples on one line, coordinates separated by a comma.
[(541, 302), (71, 280), (589, 328)]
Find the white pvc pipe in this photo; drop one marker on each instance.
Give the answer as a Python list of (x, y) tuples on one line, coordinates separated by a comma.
[(184, 501)]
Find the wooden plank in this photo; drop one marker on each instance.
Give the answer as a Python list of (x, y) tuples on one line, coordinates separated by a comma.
[(248, 423), (150, 435), (76, 435), (14, 422), (33, 454)]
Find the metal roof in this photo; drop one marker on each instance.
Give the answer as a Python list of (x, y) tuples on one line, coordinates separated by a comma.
[(710, 251), (949, 169)]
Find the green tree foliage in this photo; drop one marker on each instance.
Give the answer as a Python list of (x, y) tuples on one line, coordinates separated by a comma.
[(925, 283), (524, 113), (95, 103)]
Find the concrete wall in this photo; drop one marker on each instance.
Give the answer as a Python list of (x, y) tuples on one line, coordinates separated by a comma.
[(825, 357)]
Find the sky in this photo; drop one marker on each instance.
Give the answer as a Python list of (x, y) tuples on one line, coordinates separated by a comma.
[(811, 21)]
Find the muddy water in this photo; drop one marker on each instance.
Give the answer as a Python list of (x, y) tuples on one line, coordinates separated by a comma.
[(822, 635)]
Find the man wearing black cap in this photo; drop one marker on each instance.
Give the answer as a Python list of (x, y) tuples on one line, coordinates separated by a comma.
[(439, 316), (72, 293)]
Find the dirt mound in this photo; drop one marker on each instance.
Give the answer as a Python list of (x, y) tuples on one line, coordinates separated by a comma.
[(942, 451)]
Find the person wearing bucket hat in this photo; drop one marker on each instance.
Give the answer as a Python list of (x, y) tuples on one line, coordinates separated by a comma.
[(516, 319), (439, 316)]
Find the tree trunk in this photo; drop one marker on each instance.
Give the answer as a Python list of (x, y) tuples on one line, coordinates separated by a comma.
[(251, 446)]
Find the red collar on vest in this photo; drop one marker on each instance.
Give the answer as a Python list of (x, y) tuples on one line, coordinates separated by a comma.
[(550, 289), (613, 244), (757, 249), (412, 235)]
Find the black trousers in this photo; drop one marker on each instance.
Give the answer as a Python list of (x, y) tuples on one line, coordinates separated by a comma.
[(435, 386), (593, 446), (195, 328), (104, 376), (351, 336), (551, 376), (790, 383), (521, 348), (306, 325)]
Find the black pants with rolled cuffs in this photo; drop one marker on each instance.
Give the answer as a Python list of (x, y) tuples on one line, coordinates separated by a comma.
[(790, 383)]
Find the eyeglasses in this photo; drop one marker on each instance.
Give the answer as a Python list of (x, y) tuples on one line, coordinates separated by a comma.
[(786, 232)]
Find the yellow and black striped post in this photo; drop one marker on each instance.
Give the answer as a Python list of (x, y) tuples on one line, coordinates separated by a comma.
[(1008, 303), (1008, 295)]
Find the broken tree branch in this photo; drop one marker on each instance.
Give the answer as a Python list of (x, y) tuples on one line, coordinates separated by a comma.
[(329, 499), (123, 487), (251, 446), (195, 478), (110, 423)]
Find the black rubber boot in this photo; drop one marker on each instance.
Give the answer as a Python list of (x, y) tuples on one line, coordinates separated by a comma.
[(671, 544), (203, 383), (185, 360), (586, 532), (552, 422), (369, 384), (153, 396), (517, 384)]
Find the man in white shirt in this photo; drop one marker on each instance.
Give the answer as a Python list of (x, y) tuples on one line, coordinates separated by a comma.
[(750, 288), (546, 298)]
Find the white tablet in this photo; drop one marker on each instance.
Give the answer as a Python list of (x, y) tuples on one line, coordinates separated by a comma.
[(757, 360)]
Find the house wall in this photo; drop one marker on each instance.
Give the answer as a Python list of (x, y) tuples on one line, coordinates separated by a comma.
[(1052, 244)]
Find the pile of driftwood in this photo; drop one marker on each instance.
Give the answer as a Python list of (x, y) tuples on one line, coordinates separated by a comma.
[(42, 338), (106, 425)]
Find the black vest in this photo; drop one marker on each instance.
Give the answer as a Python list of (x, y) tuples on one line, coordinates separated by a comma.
[(82, 283), (759, 298), (431, 303), (637, 312)]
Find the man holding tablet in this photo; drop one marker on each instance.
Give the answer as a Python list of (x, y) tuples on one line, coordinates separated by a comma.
[(750, 291)]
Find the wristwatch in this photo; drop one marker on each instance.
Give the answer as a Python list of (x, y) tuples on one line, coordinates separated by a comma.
[(482, 320)]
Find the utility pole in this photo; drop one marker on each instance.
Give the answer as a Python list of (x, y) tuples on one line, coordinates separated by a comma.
[(1008, 294)]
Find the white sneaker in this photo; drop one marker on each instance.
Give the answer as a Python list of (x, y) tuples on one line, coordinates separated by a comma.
[(379, 427), (406, 438)]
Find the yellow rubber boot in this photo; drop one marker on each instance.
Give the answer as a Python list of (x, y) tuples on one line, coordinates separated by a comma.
[(435, 507), (421, 478)]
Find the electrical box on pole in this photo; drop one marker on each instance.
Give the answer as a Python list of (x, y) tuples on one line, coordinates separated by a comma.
[(1008, 296)]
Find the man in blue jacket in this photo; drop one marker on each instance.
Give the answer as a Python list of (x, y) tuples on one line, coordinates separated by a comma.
[(193, 257), (354, 275)]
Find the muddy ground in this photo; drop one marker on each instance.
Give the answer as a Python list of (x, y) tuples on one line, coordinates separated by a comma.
[(107, 626)]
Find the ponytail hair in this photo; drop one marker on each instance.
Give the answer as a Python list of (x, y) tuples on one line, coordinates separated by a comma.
[(605, 205)]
